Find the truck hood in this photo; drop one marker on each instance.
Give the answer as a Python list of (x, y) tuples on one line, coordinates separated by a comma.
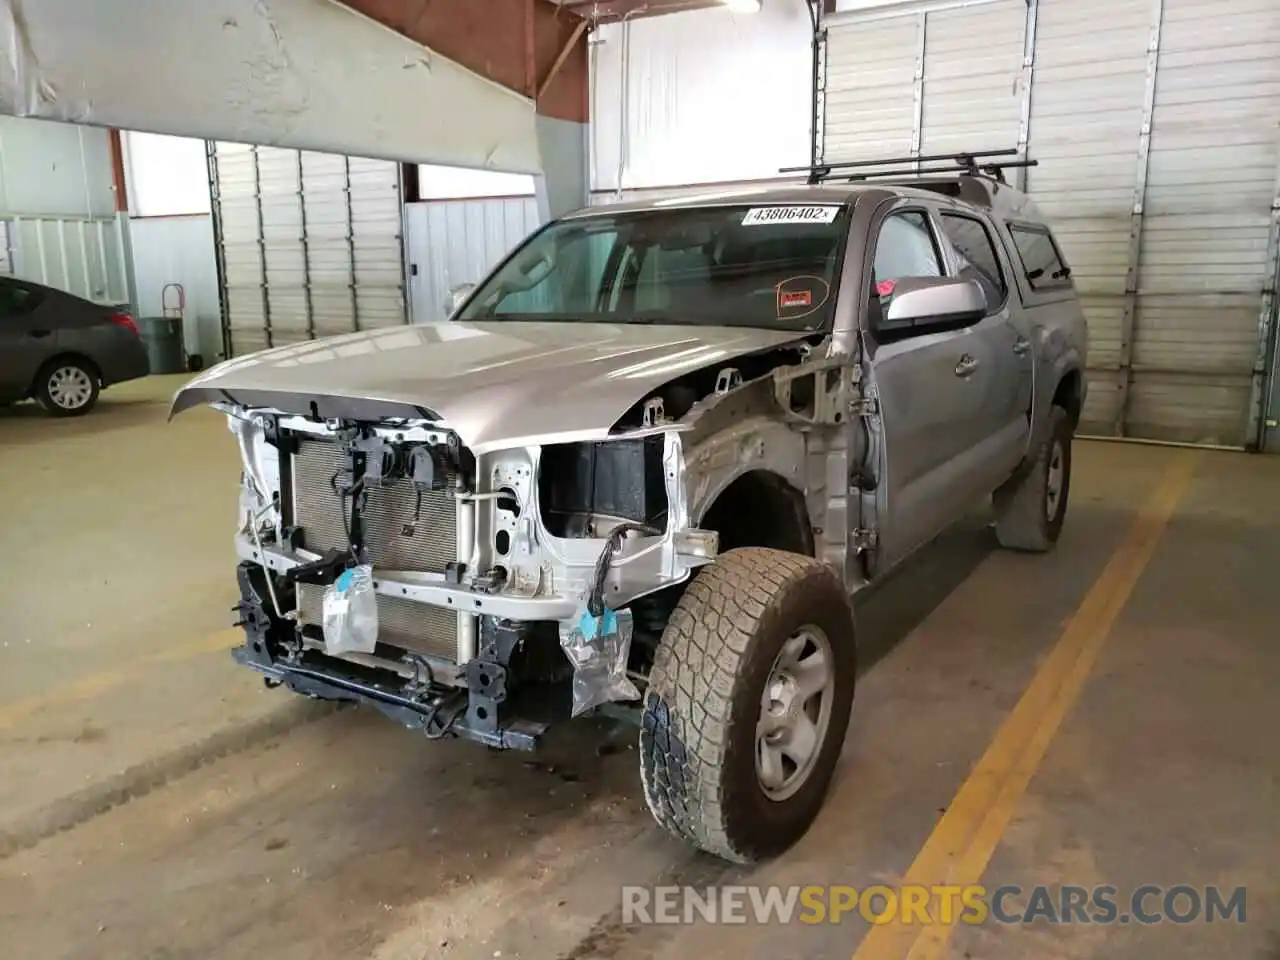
[(495, 384)]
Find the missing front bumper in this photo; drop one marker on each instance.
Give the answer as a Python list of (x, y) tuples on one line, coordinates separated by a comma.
[(479, 709), (437, 715)]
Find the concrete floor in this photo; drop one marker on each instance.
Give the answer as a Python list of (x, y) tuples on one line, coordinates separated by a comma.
[(156, 802)]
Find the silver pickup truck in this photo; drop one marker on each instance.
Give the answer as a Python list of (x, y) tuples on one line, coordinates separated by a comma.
[(645, 466)]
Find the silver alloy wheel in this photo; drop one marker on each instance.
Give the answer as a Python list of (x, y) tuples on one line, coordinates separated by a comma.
[(795, 710), (70, 387), (1054, 478)]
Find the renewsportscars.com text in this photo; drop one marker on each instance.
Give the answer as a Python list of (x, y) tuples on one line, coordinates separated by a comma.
[(925, 905)]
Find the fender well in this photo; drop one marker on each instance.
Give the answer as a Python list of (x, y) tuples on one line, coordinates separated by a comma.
[(1069, 394), (760, 509)]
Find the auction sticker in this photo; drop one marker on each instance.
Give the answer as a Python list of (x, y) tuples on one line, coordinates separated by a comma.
[(758, 216)]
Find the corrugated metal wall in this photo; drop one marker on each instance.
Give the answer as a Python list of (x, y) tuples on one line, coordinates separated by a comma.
[(82, 255), (58, 203), (451, 242), (310, 244), (1155, 124)]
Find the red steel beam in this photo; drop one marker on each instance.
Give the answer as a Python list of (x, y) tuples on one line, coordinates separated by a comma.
[(117, 170)]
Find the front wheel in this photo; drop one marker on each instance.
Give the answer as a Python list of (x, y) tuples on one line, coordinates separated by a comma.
[(1030, 510), (67, 388), (748, 703)]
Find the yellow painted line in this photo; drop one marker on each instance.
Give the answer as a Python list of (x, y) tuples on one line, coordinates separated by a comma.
[(961, 845), (96, 684)]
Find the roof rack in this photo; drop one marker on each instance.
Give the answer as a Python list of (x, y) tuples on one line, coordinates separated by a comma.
[(965, 163)]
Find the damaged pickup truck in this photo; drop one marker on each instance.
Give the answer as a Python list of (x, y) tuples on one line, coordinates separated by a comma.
[(645, 466)]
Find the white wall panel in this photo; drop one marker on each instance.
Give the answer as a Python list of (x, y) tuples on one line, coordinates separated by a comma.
[(701, 97), (452, 242), (179, 250), (54, 170)]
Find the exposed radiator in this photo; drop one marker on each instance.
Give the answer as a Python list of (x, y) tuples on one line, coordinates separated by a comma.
[(419, 627), (317, 510)]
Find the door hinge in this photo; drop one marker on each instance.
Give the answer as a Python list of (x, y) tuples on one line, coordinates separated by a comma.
[(864, 406), (864, 539)]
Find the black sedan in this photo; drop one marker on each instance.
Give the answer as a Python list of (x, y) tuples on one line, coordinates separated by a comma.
[(61, 349)]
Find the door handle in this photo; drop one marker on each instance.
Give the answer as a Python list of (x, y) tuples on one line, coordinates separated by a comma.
[(966, 366), (41, 333), (1021, 346)]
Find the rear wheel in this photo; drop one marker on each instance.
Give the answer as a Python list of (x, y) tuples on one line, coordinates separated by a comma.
[(748, 703), (67, 387), (1030, 511)]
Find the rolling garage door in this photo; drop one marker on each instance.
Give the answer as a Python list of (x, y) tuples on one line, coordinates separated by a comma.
[(923, 82), (1154, 122), (309, 244)]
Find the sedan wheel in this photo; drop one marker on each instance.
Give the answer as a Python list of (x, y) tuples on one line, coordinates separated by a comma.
[(67, 388)]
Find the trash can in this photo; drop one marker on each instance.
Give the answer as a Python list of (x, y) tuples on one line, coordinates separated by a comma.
[(162, 337)]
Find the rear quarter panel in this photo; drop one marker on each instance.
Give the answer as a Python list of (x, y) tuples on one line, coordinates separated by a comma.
[(1056, 326), (84, 330)]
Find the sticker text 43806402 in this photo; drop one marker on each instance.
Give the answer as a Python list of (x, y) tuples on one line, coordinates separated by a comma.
[(760, 216)]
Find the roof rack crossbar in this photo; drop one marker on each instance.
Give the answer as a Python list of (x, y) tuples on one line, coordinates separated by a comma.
[(888, 161), (995, 170), (964, 163)]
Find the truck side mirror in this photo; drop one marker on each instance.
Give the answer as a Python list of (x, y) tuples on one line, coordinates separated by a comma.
[(457, 297), (923, 304)]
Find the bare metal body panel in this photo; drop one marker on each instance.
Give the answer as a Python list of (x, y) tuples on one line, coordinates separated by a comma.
[(495, 384)]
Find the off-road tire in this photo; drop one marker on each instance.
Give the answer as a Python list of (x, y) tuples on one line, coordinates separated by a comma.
[(1021, 506), (698, 738), (43, 384)]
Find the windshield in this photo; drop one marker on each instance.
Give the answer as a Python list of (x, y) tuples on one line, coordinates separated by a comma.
[(766, 266)]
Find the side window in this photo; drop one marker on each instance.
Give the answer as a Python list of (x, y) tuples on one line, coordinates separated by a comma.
[(15, 300), (905, 248), (1041, 259), (978, 258)]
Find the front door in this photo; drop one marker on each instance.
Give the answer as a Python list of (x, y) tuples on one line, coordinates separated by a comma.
[(25, 340), (935, 394)]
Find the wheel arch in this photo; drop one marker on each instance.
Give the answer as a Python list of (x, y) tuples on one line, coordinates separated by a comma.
[(1068, 393), (757, 507)]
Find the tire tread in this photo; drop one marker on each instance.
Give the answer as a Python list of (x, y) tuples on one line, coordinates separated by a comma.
[(688, 722)]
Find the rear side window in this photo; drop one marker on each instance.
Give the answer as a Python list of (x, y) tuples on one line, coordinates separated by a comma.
[(1041, 259), (978, 258), (16, 299)]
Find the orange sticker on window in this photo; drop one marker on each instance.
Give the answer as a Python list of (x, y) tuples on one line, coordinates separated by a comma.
[(800, 296)]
